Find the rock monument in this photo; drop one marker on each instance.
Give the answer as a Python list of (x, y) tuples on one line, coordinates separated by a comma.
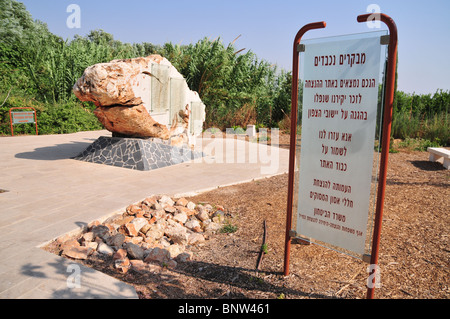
[(147, 105)]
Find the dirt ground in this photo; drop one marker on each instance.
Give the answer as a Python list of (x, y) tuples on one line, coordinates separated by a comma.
[(413, 260)]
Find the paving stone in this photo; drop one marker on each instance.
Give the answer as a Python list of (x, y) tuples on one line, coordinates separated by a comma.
[(105, 249), (135, 251), (80, 252), (117, 240)]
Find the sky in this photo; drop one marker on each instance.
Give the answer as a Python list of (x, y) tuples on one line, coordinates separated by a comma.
[(267, 28)]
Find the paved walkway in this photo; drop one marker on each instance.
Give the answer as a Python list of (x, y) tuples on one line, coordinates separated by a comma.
[(49, 194)]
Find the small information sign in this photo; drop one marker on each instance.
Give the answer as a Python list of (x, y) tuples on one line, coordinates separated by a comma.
[(22, 117), (340, 98)]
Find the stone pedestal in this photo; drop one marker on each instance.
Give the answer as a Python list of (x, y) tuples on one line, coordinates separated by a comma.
[(136, 153)]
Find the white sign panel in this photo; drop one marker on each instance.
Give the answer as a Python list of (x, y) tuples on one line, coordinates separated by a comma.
[(337, 147)]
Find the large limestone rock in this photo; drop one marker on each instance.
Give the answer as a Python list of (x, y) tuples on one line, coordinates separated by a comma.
[(143, 97), (132, 121)]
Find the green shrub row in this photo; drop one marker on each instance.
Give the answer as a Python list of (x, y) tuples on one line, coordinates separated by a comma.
[(68, 117), (39, 69)]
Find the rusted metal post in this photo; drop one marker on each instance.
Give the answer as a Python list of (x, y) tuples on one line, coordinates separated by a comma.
[(293, 140), (11, 123), (388, 108)]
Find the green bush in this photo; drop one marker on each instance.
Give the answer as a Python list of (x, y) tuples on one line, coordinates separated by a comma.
[(434, 129), (58, 118), (7, 102), (422, 117), (418, 144), (68, 117)]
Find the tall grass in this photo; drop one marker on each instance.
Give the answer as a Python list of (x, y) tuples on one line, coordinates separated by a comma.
[(237, 88), (38, 68)]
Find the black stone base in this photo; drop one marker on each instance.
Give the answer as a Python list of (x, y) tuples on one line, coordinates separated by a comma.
[(136, 153)]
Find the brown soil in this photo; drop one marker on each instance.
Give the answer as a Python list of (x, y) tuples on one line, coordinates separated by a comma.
[(413, 260)]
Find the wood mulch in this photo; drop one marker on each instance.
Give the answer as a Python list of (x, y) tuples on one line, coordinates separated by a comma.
[(413, 260)]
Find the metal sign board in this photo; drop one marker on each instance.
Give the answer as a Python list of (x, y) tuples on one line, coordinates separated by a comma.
[(22, 117), (340, 99)]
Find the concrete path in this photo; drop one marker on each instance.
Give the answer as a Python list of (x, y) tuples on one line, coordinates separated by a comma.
[(49, 194)]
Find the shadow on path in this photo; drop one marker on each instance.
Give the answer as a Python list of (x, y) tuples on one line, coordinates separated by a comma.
[(57, 152), (76, 281)]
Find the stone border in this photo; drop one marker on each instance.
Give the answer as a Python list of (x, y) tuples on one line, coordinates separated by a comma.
[(158, 230)]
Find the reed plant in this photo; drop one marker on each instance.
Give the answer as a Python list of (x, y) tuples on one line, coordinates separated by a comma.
[(39, 68)]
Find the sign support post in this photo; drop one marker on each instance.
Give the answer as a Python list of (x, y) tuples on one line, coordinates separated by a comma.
[(386, 132), (386, 136), (293, 137)]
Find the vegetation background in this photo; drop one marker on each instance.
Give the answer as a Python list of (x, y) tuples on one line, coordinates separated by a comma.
[(38, 69)]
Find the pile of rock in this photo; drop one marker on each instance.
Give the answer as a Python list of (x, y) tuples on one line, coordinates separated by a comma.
[(159, 229)]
